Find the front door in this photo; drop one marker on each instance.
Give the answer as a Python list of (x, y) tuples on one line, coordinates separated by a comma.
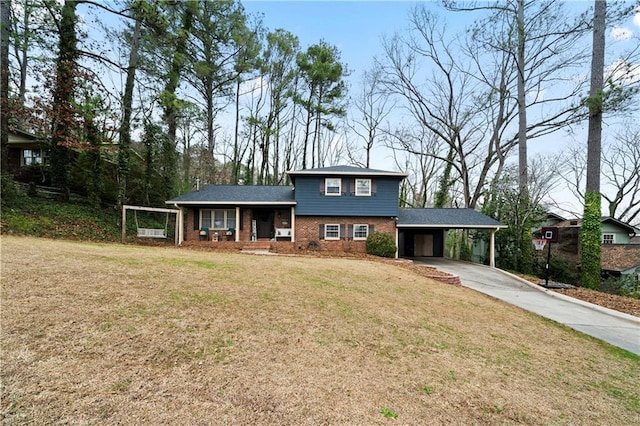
[(264, 224)]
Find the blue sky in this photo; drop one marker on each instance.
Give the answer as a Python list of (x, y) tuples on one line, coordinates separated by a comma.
[(354, 27)]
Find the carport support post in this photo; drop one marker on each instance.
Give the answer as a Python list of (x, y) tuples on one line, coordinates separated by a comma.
[(492, 249)]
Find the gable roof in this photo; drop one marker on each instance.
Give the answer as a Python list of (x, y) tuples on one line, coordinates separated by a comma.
[(345, 171), (238, 195), (446, 218), (578, 223), (620, 257)]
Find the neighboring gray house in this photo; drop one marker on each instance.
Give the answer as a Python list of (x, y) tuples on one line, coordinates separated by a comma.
[(333, 208)]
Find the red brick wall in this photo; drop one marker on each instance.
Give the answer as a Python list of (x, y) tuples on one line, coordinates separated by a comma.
[(308, 230)]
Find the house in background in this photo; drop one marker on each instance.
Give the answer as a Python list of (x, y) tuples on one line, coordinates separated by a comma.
[(329, 208), (613, 230), (621, 259), (27, 155), (620, 256)]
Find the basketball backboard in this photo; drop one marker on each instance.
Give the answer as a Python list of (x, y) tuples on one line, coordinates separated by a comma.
[(550, 234)]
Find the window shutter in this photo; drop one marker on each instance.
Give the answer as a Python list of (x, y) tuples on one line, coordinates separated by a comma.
[(371, 229), (344, 183), (342, 234), (351, 186), (321, 231), (196, 219), (322, 186), (349, 235), (373, 188)]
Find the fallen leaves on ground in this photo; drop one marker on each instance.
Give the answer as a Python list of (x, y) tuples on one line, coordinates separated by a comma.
[(627, 305)]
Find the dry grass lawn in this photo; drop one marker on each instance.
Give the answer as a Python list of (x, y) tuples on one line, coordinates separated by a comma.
[(113, 334)]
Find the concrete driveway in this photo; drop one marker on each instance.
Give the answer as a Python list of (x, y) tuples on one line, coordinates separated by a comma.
[(619, 329)]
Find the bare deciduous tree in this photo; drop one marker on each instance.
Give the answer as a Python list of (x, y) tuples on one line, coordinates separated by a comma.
[(621, 175), (372, 106)]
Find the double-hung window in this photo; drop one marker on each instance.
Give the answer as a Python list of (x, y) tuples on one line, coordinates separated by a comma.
[(32, 157), (608, 238), (332, 186), (218, 219), (360, 232), (363, 187), (332, 232)]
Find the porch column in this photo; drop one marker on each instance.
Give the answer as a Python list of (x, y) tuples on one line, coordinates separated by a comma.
[(492, 249), (397, 247), (293, 224), (238, 219), (179, 229)]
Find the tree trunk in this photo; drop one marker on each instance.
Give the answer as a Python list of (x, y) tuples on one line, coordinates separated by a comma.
[(4, 85), (235, 167), (522, 105), (124, 145), (63, 110), (590, 237)]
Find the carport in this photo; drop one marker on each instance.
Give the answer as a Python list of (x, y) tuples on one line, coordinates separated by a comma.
[(421, 232)]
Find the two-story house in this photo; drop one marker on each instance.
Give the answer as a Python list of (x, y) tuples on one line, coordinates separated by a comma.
[(329, 208)]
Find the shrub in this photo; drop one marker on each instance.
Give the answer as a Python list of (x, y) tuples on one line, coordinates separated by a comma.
[(381, 244), (626, 285), (10, 190)]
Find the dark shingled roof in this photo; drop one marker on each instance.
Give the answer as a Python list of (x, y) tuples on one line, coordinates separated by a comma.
[(346, 170), (620, 257), (445, 218), (238, 194)]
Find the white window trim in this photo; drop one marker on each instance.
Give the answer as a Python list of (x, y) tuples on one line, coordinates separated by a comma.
[(326, 187), (227, 213), (368, 194), (613, 237), (354, 231), (325, 231)]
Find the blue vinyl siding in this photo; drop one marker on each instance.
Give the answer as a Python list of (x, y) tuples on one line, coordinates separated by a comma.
[(311, 201)]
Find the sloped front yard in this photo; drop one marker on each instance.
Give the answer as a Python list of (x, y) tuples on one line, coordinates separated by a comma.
[(114, 334)]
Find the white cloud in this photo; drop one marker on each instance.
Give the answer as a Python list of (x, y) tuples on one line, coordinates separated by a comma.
[(623, 72), (621, 33), (636, 17)]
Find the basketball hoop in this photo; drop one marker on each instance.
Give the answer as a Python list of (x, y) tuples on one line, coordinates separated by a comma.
[(539, 243)]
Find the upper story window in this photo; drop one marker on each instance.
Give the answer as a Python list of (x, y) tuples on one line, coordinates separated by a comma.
[(218, 219), (363, 187), (608, 238), (332, 186)]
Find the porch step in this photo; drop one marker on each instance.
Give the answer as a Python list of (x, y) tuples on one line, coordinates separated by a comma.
[(253, 246)]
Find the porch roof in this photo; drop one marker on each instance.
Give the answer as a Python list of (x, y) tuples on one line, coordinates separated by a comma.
[(237, 195), (446, 218)]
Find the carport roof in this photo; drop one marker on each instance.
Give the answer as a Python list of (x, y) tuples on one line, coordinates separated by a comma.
[(237, 195), (446, 218)]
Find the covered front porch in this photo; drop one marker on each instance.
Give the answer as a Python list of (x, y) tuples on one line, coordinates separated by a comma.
[(237, 213), (239, 224)]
